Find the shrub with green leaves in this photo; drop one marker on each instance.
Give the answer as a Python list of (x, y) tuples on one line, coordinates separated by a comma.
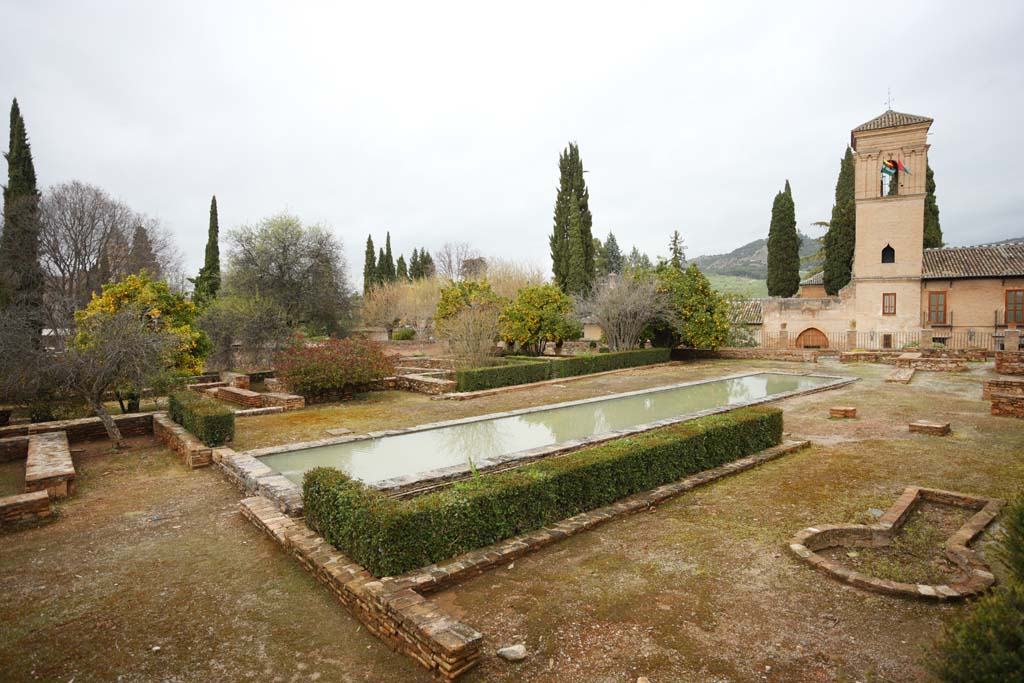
[(209, 421), (527, 369), (987, 645), (403, 334), (602, 362), (389, 536)]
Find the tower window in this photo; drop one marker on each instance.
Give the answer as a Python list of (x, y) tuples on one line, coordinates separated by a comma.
[(889, 182), (888, 254)]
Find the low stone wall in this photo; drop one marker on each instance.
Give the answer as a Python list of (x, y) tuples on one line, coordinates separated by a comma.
[(1010, 362), (194, 453), (254, 478), (425, 384), (86, 428), (24, 507), (401, 617), (204, 387), (1007, 387), (13, 448), (1008, 406), (753, 352), (907, 360)]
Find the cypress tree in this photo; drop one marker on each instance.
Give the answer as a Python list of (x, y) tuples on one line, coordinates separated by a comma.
[(576, 260), (600, 267), (381, 276), (426, 263), (932, 230), (612, 255), (401, 272), (141, 256), (414, 265), (208, 281), (783, 247), (842, 231), (573, 196), (21, 275), (388, 272), (677, 253), (369, 266)]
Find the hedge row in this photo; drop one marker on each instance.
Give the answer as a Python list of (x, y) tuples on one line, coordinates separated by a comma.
[(209, 421), (389, 536), (539, 369)]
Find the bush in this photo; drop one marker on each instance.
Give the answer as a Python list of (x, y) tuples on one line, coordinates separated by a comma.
[(530, 370), (389, 536), (209, 421), (987, 646), (404, 334), (332, 368)]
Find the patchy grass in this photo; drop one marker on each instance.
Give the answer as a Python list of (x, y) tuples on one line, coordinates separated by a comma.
[(12, 477), (699, 589)]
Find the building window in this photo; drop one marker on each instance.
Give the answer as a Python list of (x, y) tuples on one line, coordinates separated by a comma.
[(888, 254), (1014, 306), (937, 308), (889, 304)]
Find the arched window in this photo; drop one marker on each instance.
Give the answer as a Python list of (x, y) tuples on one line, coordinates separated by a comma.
[(888, 254)]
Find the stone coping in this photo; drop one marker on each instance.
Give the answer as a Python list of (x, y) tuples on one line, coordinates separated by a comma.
[(445, 474), (977, 575), (49, 465), (394, 608)]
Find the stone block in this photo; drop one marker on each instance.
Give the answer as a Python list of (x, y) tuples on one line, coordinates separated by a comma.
[(842, 411), (49, 465), (933, 428)]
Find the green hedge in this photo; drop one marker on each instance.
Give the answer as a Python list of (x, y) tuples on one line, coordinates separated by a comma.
[(389, 536), (403, 334), (524, 370), (209, 421)]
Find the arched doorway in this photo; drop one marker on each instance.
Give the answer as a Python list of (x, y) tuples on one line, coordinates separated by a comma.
[(812, 338)]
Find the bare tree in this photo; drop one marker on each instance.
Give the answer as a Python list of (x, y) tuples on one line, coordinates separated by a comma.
[(623, 306), (471, 335), (508, 277), (244, 331), (87, 238), (451, 260), (383, 305)]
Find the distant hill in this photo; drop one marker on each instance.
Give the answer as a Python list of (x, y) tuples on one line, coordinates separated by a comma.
[(751, 260)]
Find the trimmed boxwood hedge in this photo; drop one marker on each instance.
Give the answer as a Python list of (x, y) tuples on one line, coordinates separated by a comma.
[(389, 536), (209, 421), (526, 370)]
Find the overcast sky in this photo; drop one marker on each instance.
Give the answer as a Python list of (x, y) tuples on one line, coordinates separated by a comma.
[(443, 122)]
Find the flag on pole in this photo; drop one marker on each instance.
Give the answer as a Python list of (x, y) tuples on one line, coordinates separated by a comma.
[(902, 168), (889, 167)]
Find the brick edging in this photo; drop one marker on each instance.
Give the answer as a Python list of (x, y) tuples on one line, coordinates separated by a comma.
[(978, 575)]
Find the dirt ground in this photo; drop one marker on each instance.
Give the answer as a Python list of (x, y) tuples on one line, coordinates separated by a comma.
[(149, 555)]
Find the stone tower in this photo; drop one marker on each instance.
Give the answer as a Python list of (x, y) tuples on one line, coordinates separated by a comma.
[(890, 221)]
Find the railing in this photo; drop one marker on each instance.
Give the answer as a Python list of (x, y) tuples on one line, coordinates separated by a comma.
[(874, 340), (968, 339)]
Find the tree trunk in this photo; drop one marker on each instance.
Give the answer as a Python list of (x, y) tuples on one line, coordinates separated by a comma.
[(108, 423)]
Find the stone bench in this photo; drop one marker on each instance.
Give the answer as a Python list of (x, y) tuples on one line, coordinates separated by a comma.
[(901, 376), (243, 397), (842, 411), (49, 466), (286, 401), (933, 428)]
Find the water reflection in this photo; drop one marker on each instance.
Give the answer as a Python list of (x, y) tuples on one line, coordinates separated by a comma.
[(393, 456)]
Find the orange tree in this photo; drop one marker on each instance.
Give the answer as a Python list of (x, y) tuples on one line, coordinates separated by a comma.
[(701, 316), (536, 316), (158, 306)]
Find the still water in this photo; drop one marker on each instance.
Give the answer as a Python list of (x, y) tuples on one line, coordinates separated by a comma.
[(372, 460)]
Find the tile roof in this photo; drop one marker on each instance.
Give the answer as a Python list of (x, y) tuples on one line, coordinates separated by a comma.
[(985, 260), (891, 119), (748, 312), (816, 279)]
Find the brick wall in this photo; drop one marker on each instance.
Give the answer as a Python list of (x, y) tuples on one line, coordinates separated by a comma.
[(1010, 362), (86, 428), (1010, 387), (1008, 406)]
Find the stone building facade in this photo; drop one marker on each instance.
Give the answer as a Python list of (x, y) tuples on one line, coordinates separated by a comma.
[(900, 292)]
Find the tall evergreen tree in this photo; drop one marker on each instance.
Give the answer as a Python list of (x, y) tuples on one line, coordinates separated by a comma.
[(21, 275), (141, 256), (677, 253), (613, 259), (842, 231), (381, 276), (932, 230), (600, 269), (388, 272), (783, 247), (208, 281), (414, 265), (576, 277), (637, 261), (426, 263), (401, 271), (573, 196), (369, 266)]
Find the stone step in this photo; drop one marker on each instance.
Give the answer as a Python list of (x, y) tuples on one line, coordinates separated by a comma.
[(901, 376)]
